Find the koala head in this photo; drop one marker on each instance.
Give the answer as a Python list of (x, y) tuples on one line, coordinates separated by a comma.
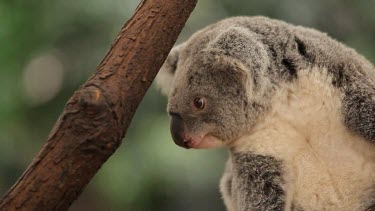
[(216, 86)]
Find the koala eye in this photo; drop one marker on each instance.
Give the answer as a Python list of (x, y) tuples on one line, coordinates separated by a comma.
[(199, 103)]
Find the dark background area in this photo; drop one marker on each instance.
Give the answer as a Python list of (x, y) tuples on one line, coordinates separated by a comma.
[(49, 47)]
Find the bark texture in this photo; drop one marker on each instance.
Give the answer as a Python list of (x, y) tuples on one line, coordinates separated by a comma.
[(97, 116)]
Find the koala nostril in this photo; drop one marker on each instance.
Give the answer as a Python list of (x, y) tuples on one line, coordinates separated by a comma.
[(174, 114), (177, 128)]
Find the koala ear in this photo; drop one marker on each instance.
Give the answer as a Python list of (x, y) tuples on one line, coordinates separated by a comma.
[(243, 45), (165, 77)]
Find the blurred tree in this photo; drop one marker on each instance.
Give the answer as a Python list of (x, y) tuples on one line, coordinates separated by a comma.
[(97, 116)]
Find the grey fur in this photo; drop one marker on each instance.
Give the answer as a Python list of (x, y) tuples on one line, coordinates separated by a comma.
[(258, 182), (237, 64)]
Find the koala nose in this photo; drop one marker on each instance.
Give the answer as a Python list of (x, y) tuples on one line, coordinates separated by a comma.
[(177, 128), (175, 114)]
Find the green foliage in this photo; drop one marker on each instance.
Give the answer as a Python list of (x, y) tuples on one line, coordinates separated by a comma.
[(67, 39)]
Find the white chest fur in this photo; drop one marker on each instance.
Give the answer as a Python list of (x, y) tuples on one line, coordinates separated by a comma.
[(326, 166)]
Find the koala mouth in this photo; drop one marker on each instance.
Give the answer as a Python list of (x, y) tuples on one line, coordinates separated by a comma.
[(197, 142), (184, 139), (202, 142)]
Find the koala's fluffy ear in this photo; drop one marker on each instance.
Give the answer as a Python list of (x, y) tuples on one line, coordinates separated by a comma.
[(165, 77)]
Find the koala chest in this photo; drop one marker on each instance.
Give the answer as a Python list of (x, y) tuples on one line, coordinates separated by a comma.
[(301, 156), (308, 182)]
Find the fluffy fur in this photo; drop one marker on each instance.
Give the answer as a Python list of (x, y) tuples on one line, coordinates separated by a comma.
[(295, 108)]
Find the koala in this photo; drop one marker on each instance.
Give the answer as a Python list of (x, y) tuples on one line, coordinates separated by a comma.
[(294, 107)]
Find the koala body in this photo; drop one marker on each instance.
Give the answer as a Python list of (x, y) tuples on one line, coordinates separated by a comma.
[(295, 108)]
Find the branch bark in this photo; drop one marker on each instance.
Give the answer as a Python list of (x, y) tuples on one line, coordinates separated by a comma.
[(97, 116)]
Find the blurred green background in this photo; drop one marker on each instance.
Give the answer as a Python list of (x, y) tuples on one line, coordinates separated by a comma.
[(49, 47)]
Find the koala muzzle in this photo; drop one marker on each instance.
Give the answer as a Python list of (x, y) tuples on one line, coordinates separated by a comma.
[(177, 128)]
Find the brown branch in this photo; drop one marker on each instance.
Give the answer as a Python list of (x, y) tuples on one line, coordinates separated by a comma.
[(97, 116)]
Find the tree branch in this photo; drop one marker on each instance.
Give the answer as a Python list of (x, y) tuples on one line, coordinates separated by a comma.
[(97, 116)]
